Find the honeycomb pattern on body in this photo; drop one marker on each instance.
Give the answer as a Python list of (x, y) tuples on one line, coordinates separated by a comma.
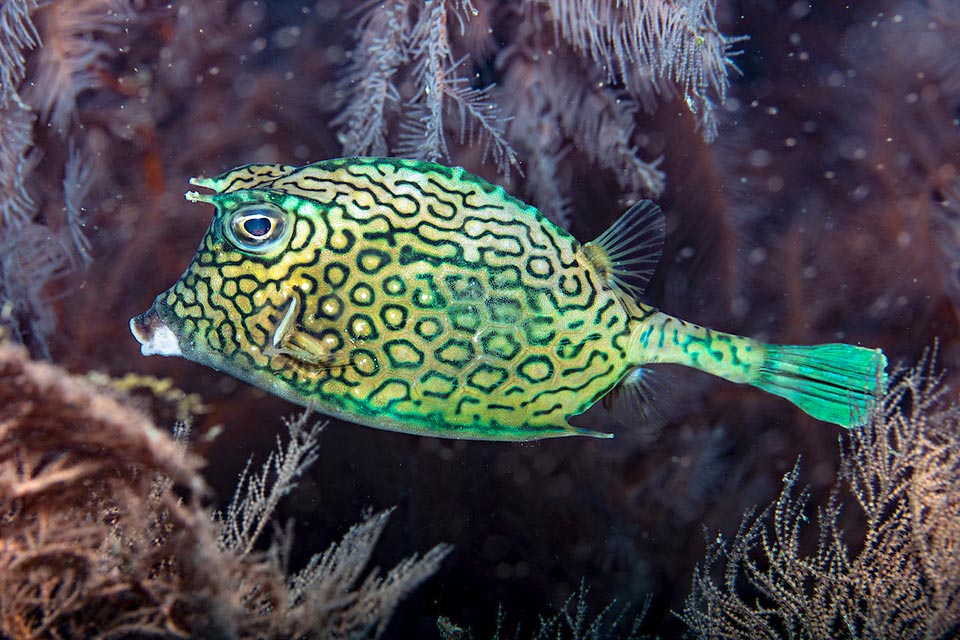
[(423, 299)]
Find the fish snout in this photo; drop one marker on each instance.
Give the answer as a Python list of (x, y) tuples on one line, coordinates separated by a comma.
[(154, 336)]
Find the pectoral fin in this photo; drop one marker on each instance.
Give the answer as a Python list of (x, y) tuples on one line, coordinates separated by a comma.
[(288, 340)]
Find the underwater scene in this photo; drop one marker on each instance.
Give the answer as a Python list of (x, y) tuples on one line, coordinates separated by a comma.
[(479, 319)]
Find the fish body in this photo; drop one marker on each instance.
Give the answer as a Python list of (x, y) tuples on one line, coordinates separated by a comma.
[(416, 297)]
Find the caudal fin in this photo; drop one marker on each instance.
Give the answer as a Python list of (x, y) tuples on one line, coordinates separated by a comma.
[(837, 383)]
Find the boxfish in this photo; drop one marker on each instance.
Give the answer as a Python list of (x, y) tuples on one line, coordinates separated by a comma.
[(416, 297)]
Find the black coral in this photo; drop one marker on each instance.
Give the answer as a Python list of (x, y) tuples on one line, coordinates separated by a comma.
[(900, 580), (410, 40), (530, 84)]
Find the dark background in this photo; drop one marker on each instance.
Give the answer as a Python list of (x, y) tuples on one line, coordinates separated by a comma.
[(826, 211)]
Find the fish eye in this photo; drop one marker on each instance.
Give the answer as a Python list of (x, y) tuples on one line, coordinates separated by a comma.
[(256, 228)]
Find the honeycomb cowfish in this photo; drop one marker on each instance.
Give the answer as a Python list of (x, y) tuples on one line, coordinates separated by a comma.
[(415, 297)]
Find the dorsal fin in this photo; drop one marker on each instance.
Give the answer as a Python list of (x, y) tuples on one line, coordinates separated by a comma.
[(627, 253)]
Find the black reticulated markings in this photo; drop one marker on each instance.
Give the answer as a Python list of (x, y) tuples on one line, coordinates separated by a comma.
[(464, 195), (539, 267), (314, 283), (403, 354), (389, 202), (383, 387), (436, 196), (430, 296), (504, 310), (527, 231), (350, 239), (500, 344), (364, 362), (330, 307), (464, 288), (204, 296), (594, 354), (408, 255), (620, 340), (567, 349), (487, 378), (548, 411), (571, 285), (557, 303), (606, 306), (324, 183), (557, 290), (362, 295), (307, 237), (390, 236), (535, 369), (333, 338), (335, 274), (238, 181), (438, 385), (355, 189), (490, 237), (372, 261), (360, 326), (538, 331), (464, 317), (466, 400), (554, 390), (504, 278), (455, 353), (428, 328), (394, 316), (394, 286)]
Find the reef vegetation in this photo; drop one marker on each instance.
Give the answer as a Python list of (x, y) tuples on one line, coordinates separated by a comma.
[(806, 155), (105, 532)]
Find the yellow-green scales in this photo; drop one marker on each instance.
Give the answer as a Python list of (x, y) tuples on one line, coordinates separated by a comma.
[(415, 297)]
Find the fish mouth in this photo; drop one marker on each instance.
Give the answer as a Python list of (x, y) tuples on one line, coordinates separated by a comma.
[(154, 336)]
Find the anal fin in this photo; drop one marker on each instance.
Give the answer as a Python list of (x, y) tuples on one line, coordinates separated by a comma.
[(643, 398)]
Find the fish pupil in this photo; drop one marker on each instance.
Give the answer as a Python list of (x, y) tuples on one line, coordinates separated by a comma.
[(257, 226)]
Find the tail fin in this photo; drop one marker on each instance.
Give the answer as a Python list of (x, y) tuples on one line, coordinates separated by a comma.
[(837, 383)]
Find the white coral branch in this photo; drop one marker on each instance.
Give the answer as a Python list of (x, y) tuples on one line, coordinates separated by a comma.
[(73, 54), (17, 34), (257, 496), (650, 44)]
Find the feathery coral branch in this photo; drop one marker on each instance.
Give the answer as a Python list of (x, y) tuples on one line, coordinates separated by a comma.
[(649, 45), (257, 496), (73, 54), (17, 34), (903, 471)]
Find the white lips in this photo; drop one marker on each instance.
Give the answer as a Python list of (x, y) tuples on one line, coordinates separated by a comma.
[(163, 343), (155, 337)]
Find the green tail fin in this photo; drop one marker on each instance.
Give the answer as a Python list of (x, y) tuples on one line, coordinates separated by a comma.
[(837, 383)]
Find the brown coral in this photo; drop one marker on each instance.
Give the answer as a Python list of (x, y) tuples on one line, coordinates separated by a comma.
[(102, 530), (94, 537)]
